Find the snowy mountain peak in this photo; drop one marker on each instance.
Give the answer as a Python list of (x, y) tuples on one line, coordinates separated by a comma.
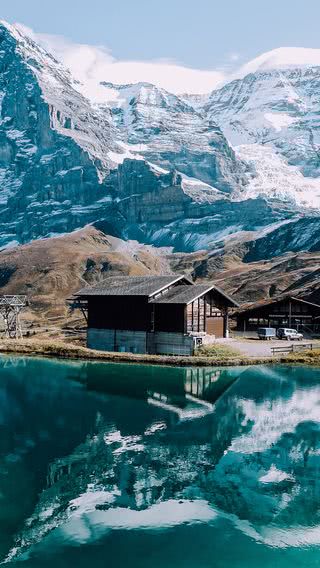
[(28, 47), (281, 58), (124, 86), (271, 117), (143, 93)]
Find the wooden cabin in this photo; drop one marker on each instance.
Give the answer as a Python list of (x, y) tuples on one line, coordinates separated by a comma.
[(286, 311), (153, 314)]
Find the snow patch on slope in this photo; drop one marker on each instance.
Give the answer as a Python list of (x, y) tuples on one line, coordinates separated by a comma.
[(272, 421), (279, 120), (200, 191)]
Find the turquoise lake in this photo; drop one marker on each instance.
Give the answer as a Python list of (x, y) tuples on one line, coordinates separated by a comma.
[(107, 465)]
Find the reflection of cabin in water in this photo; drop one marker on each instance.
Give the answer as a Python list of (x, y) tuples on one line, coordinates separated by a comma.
[(153, 314), (185, 393), (287, 311)]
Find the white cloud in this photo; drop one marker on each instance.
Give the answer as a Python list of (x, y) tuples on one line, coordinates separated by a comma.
[(93, 64), (234, 57)]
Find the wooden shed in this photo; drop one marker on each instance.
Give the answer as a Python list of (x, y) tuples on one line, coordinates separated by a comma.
[(140, 313)]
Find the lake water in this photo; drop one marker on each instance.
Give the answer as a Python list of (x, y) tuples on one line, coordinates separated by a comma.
[(107, 465)]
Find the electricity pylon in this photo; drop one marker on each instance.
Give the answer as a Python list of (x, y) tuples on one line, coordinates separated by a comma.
[(10, 309)]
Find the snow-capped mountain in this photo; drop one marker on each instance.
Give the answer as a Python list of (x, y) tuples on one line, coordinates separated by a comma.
[(271, 117), (167, 130), (188, 172), (66, 162), (281, 58), (54, 145)]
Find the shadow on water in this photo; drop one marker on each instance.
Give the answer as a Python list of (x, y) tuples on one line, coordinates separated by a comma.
[(178, 465)]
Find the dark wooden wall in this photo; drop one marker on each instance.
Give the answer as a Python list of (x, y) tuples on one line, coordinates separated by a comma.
[(119, 312), (134, 313), (169, 317)]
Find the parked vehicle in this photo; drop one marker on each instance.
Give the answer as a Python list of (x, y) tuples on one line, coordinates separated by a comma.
[(266, 333), (289, 334)]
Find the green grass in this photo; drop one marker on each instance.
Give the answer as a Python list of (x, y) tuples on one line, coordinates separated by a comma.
[(307, 357), (218, 351)]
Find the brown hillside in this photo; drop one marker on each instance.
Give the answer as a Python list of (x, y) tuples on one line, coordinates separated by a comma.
[(50, 270)]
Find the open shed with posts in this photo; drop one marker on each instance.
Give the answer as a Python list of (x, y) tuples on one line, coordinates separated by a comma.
[(286, 311)]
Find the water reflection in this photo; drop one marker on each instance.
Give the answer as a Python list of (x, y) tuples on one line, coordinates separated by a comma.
[(119, 448), (187, 392)]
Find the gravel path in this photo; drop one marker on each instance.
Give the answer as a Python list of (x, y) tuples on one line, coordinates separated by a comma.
[(259, 348)]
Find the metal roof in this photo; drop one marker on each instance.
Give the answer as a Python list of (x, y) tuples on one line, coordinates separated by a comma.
[(132, 285), (187, 294)]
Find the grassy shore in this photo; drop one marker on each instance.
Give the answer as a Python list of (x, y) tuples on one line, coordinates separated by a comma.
[(218, 356), (221, 356), (306, 357)]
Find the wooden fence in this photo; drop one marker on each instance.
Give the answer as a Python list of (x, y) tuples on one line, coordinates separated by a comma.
[(291, 348)]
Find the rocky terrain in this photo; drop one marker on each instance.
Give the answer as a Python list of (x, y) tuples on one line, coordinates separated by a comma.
[(166, 130), (147, 164)]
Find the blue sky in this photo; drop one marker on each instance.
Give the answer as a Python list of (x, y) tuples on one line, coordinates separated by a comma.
[(204, 34)]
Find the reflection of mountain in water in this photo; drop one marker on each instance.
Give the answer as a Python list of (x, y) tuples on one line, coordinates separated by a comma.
[(254, 456), (35, 413)]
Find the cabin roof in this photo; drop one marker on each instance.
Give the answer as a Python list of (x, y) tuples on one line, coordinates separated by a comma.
[(187, 294), (273, 302), (133, 285)]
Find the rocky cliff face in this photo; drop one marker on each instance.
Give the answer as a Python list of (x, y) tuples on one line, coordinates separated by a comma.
[(168, 131), (65, 162), (54, 146)]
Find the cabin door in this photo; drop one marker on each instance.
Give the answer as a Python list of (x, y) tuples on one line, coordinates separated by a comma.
[(215, 326)]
